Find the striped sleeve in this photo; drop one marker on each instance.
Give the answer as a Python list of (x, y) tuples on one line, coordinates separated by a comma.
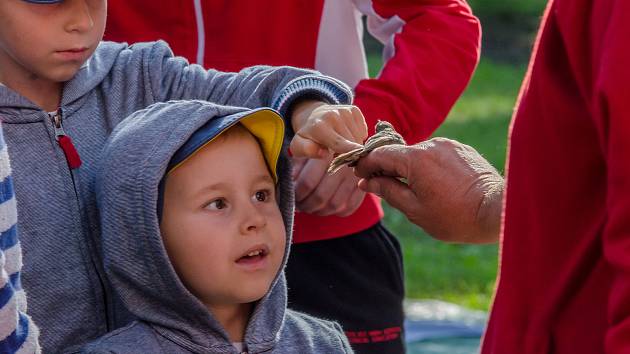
[(18, 334)]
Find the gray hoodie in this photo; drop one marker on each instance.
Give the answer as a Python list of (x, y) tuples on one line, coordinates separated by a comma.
[(171, 319), (68, 296)]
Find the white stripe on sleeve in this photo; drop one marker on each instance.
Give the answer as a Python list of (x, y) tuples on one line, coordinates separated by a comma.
[(8, 214), (8, 318), (5, 168), (383, 29), (340, 51), (13, 259)]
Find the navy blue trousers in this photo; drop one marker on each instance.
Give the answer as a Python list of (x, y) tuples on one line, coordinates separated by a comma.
[(356, 281)]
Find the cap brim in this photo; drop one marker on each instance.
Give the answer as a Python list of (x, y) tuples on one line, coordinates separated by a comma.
[(43, 1), (265, 124)]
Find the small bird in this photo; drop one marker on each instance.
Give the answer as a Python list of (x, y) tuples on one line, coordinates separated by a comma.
[(385, 135)]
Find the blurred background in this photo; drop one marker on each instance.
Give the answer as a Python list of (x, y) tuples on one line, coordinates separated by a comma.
[(462, 274)]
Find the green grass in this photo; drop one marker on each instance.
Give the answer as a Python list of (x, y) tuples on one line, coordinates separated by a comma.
[(463, 274), (481, 116), (510, 8)]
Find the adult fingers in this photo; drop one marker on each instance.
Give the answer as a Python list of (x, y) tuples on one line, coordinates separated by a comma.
[(396, 193), (391, 160)]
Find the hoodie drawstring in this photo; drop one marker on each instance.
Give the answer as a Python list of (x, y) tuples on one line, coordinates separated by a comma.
[(65, 143)]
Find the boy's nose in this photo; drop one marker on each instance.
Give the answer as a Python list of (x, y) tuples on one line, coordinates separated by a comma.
[(80, 18), (252, 220)]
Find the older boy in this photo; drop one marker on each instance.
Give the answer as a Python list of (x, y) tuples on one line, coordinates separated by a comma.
[(59, 81), (219, 237)]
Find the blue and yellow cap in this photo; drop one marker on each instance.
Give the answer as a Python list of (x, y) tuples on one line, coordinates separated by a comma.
[(264, 124)]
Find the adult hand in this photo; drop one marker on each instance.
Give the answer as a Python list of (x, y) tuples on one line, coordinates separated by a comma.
[(320, 128), (317, 192), (452, 192)]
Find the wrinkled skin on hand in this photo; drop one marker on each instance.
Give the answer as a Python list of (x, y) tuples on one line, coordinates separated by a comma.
[(451, 191)]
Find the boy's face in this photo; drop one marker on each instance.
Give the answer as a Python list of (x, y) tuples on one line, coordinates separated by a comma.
[(49, 41), (221, 225)]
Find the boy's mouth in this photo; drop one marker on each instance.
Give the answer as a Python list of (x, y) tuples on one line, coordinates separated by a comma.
[(76, 50), (73, 53), (253, 256)]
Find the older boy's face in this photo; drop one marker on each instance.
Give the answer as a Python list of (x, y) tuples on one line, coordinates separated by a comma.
[(49, 41), (221, 225)]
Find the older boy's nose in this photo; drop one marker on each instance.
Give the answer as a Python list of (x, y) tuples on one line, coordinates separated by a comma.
[(80, 17)]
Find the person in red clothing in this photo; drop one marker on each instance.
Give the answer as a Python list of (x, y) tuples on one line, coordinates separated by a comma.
[(344, 264), (564, 283)]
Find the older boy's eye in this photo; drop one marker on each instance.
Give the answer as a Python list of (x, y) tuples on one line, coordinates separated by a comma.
[(217, 204)]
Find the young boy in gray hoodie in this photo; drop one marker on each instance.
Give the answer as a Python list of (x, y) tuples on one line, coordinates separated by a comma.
[(196, 222), (63, 91)]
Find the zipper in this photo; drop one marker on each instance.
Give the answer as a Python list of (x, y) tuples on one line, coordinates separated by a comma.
[(65, 142), (74, 162)]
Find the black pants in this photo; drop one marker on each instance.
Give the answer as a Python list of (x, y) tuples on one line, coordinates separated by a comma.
[(355, 280)]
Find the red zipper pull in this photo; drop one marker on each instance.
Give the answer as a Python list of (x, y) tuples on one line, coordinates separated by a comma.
[(65, 143)]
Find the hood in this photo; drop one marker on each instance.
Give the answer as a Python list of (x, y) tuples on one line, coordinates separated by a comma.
[(134, 161)]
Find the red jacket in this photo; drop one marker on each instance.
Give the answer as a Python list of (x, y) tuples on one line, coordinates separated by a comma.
[(564, 284), (431, 49)]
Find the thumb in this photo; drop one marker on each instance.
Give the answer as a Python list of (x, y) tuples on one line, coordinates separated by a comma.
[(328, 138), (303, 147), (396, 193), (391, 160)]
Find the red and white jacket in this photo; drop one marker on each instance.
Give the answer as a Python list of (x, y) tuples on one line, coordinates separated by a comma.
[(431, 48)]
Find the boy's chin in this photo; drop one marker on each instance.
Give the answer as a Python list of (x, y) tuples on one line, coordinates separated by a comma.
[(251, 293), (252, 296), (65, 77), (63, 74)]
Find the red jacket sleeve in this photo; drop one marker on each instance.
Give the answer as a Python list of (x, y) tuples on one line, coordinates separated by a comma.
[(612, 103), (434, 56)]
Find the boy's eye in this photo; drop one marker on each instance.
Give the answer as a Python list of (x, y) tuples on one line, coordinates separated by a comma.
[(217, 204), (262, 195)]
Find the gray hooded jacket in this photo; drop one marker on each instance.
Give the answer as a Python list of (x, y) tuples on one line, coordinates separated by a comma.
[(171, 319), (68, 296)]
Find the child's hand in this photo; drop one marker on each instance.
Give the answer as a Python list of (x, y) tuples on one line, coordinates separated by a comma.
[(320, 127)]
